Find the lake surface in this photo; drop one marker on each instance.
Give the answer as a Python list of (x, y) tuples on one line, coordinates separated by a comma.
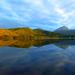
[(56, 58)]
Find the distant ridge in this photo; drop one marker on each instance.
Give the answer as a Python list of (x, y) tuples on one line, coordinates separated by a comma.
[(65, 31)]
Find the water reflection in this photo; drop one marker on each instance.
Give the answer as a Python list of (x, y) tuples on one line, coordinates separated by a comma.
[(47, 58), (37, 43)]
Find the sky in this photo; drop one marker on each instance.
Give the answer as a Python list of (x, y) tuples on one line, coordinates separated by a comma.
[(45, 14)]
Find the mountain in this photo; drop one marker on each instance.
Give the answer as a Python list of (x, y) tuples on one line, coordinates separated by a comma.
[(65, 31), (63, 28)]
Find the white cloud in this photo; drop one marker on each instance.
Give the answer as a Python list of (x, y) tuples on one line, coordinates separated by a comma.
[(60, 12)]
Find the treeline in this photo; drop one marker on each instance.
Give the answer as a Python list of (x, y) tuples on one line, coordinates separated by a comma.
[(29, 34)]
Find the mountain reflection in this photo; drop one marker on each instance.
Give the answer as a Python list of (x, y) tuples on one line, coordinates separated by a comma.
[(65, 43), (36, 43)]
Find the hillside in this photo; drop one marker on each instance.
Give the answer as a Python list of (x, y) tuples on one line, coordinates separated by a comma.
[(26, 34)]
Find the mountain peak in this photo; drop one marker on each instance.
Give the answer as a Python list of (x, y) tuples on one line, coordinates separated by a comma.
[(63, 28)]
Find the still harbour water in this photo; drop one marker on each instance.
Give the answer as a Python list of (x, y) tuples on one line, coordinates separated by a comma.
[(56, 58)]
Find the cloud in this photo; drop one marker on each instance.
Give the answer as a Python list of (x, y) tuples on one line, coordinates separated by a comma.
[(33, 13)]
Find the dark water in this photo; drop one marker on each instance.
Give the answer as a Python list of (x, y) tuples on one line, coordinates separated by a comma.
[(42, 58)]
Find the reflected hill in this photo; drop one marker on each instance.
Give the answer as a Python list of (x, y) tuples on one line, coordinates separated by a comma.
[(37, 43), (25, 44), (63, 46), (65, 43)]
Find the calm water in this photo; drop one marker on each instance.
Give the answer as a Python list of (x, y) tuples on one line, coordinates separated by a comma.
[(44, 58)]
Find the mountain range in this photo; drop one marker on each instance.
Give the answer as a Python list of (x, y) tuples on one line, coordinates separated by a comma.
[(61, 31), (36, 34)]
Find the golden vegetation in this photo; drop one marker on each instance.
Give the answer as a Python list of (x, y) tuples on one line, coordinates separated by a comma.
[(21, 34), (27, 34)]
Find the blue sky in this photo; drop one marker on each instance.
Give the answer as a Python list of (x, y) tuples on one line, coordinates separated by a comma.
[(46, 14)]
